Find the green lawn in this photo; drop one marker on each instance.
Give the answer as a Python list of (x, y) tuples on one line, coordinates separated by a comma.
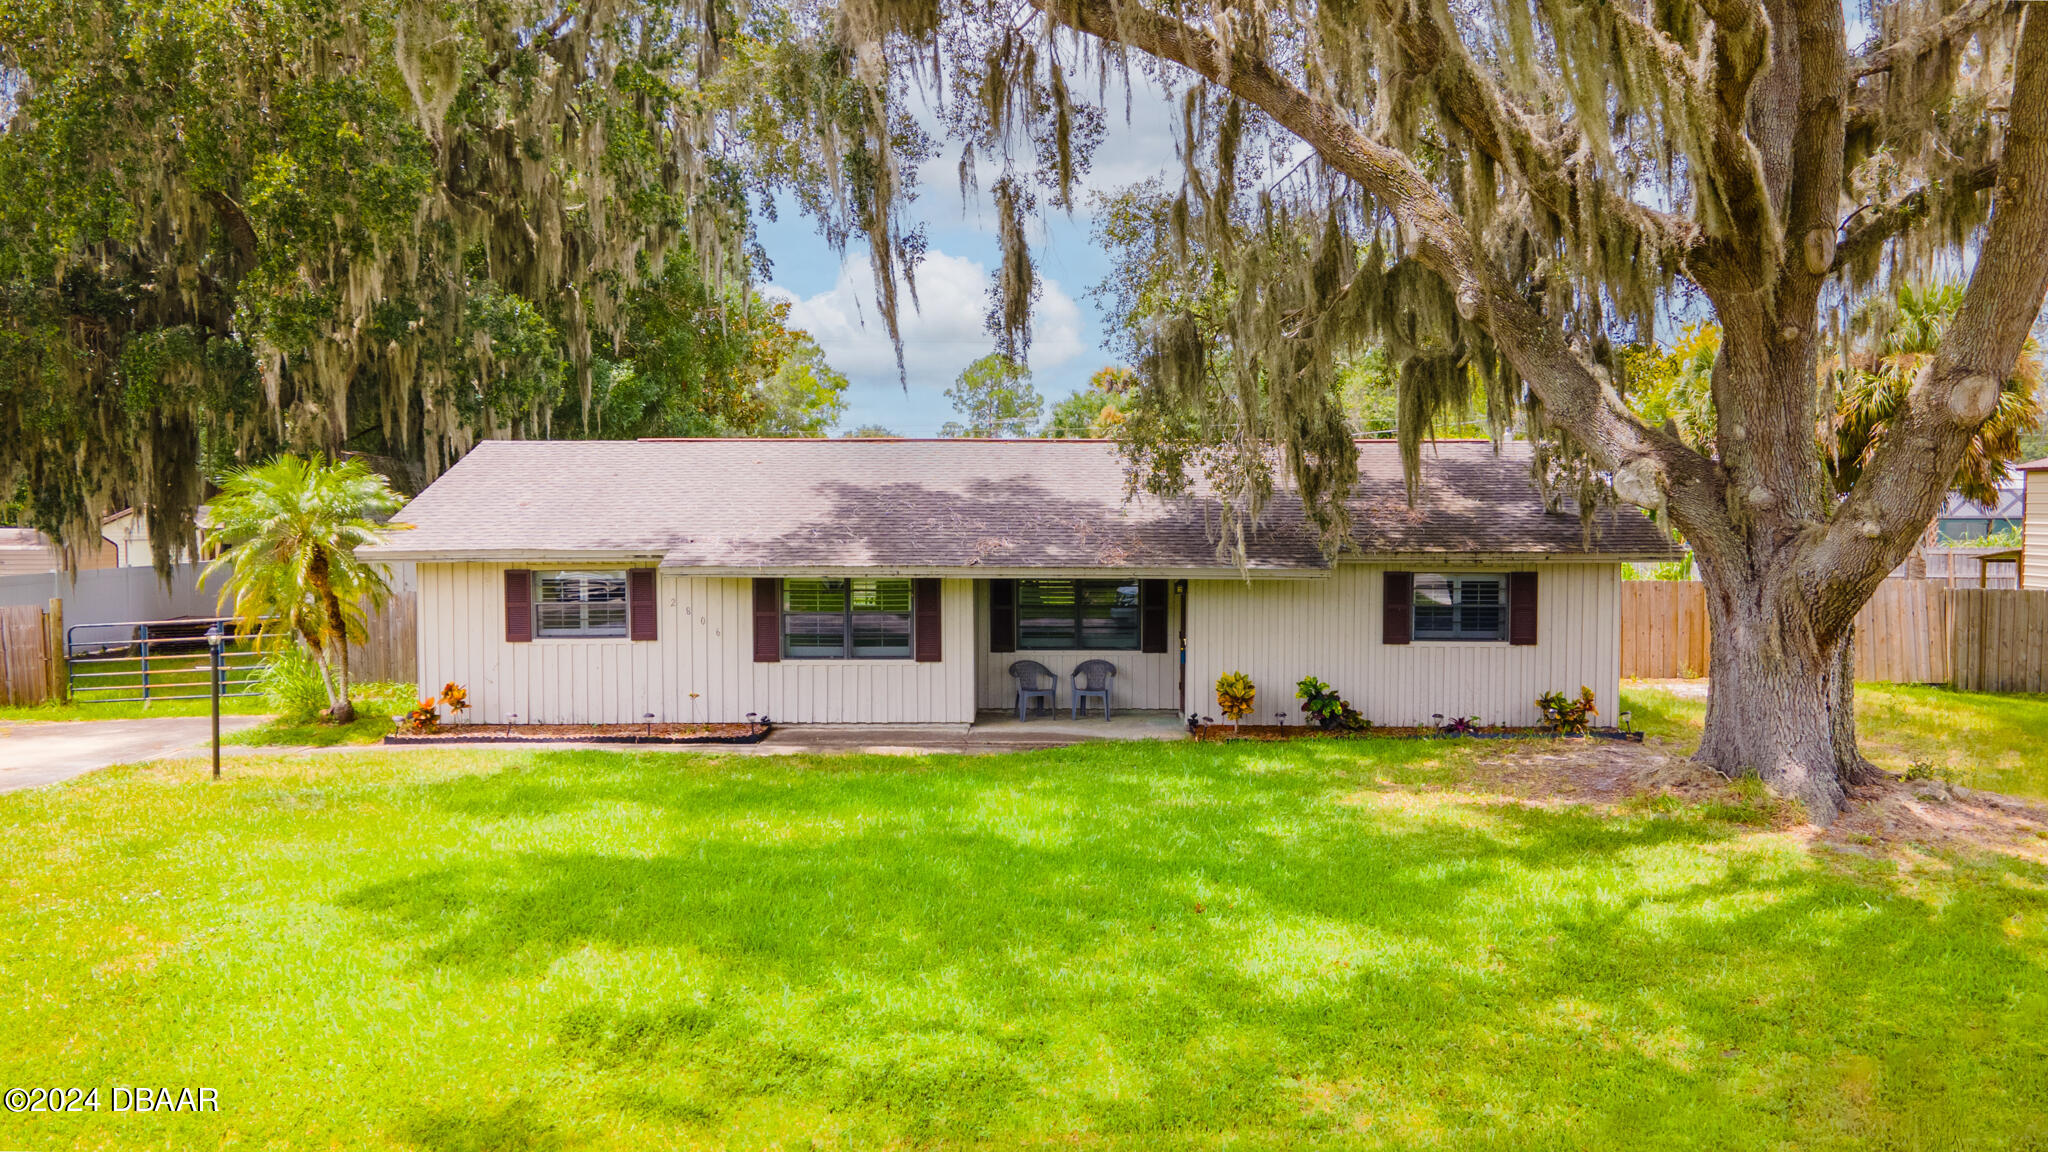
[(1978, 739), (75, 710), (101, 688), (1121, 946), (375, 704)]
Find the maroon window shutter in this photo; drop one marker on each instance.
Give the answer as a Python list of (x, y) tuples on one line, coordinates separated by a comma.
[(1397, 619), (1521, 607), (1002, 615), (518, 605), (640, 613), (1151, 615), (767, 620), (930, 649)]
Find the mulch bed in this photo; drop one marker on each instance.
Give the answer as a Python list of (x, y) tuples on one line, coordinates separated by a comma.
[(1305, 732), (586, 734)]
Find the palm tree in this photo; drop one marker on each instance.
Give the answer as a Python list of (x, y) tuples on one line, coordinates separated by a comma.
[(291, 527), (1903, 333)]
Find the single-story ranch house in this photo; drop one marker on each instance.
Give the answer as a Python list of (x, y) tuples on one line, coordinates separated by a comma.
[(894, 581)]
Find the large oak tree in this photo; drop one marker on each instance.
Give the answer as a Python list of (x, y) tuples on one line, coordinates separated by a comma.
[(399, 225), (1501, 191)]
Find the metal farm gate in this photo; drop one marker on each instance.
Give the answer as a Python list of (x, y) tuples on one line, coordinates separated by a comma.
[(159, 660)]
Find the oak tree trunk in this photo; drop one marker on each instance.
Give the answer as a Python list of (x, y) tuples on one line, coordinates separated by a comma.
[(1787, 562), (1782, 699)]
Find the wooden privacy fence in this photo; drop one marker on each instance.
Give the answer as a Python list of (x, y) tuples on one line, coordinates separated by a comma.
[(28, 675), (1663, 628), (2001, 639), (1902, 635), (390, 651)]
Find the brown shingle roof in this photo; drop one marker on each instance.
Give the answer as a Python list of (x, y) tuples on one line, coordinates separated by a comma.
[(987, 505)]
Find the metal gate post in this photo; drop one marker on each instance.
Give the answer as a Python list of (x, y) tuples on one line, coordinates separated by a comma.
[(145, 662)]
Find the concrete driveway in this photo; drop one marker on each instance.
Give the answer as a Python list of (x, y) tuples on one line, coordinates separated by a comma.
[(43, 753)]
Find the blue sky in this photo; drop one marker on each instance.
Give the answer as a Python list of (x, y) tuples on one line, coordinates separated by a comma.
[(835, 301)]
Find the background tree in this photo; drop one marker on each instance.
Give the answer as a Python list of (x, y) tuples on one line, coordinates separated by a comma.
[(290, 528), (393, 226), (1673, 388), (805, 396), (876, 431), (1502, 193), (995, 399), (1898, 338), (1093, 411), (696, 361)]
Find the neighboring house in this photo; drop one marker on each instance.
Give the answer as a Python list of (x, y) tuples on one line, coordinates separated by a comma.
[(1962, 521), (124, 543), (2033, 558), (128, 531), (894, 581), (24, 550)]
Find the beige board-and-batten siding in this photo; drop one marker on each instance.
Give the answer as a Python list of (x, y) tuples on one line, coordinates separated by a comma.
[(1144, 680), (2034, 531), (705, 646), (1279, 631)]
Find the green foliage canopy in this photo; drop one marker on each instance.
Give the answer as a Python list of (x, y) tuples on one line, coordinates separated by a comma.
[(225, 227), (1889, 341), (995, 397)]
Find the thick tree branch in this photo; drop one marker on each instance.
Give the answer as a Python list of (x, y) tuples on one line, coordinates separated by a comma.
[(1740, 46), (1905, 481), (1817, 151), (1505, 134), (1648, 463), (1870, 226), (1741, 219), (1918, 43)]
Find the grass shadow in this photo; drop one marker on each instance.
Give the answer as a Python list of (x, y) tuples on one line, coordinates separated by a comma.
[(963, 931), (518, 1126)]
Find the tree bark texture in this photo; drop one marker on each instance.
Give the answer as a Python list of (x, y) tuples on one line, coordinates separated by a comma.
[(1786, 564)]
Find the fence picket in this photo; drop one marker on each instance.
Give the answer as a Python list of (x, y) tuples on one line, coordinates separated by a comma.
[(24, 679), (1911, 631)]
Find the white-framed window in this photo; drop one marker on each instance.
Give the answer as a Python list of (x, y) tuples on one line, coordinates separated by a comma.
[(1473, 607), (1068, 615), (841, 619), (579, 604)]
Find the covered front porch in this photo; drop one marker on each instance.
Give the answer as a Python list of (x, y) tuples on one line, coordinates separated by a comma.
[(1060, 621)]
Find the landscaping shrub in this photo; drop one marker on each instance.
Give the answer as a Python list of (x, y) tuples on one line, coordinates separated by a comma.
[(424, 718), (1329, 711), (1566, 716), (1235, 695), (291, 683)]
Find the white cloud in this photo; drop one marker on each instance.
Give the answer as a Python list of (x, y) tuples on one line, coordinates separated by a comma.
[(940, 337)]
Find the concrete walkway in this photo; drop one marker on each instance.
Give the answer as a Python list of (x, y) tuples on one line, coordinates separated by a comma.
[(44, 753), (991, 732), (33, 754)]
